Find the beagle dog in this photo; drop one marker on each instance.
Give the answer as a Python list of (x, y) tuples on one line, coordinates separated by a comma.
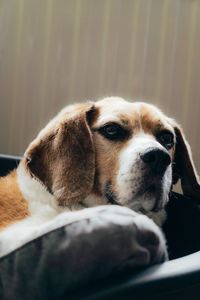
[(105, 152)]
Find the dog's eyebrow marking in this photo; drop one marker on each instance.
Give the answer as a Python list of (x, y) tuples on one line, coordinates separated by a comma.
[(152, 120)]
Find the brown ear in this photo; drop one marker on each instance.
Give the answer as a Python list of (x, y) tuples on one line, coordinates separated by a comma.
[(62, 156), (184, 166)]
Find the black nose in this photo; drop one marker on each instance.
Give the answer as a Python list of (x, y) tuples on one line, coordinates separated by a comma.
[(156, 159)]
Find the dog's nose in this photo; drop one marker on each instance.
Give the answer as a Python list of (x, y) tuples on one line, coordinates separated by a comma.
[(156, 159)]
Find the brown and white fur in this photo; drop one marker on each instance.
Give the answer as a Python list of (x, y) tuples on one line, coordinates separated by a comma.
[(72, 165)]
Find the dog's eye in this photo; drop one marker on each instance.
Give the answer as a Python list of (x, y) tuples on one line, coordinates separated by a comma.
[(166, 139), (113, 132)]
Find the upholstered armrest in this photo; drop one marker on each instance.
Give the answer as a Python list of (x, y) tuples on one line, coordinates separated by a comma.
[(99, 242)]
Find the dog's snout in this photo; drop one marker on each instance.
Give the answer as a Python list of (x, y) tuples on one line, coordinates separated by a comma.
[(156, 159)]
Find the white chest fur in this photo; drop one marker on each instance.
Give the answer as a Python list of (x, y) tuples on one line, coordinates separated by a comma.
[(42, 208)]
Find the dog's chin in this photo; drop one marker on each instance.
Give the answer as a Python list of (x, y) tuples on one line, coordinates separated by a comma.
[(153, 202), (150, 201), (151, 198)]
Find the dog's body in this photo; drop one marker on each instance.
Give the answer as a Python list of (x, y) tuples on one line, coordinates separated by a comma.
[(108, 152)]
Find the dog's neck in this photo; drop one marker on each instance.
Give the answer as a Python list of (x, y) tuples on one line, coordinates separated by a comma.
[(22, 196), (40, 201), (37, 194), (38, 198), (33, 191)]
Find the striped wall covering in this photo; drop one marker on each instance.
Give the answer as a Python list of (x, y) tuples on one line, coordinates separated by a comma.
[(56, 52)]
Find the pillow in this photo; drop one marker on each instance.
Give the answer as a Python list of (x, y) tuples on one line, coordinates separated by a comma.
[(100, 241)]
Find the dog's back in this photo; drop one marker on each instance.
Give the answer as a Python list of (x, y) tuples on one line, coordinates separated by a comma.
[(13, 206)]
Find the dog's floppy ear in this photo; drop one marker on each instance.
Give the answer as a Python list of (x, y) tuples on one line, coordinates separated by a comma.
[(184, 168), (62, 157)]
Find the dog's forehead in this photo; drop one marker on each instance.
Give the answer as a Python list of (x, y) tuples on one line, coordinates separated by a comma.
[(115, 107), (135, 114)]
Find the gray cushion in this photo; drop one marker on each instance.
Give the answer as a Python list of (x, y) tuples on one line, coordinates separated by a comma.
[(104, 242)]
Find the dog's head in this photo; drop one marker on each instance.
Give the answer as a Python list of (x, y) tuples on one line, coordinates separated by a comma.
[(115, 150)]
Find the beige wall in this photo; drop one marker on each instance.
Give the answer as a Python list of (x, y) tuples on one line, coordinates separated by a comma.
[(55, 52)]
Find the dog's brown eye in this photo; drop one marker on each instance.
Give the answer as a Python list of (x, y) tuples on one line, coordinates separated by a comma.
[(166, 139), (113, 132), (111, 129)]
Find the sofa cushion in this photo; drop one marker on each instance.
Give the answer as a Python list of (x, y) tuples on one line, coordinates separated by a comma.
[(102, 242)]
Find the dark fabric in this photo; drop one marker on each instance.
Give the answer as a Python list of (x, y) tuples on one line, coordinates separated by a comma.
[(8, 163), (182, 226), (111, 239)]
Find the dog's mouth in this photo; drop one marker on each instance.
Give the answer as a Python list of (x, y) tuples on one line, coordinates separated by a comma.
[(151, 191)]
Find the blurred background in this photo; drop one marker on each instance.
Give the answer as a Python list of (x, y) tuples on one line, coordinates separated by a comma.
[(56, 52)]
